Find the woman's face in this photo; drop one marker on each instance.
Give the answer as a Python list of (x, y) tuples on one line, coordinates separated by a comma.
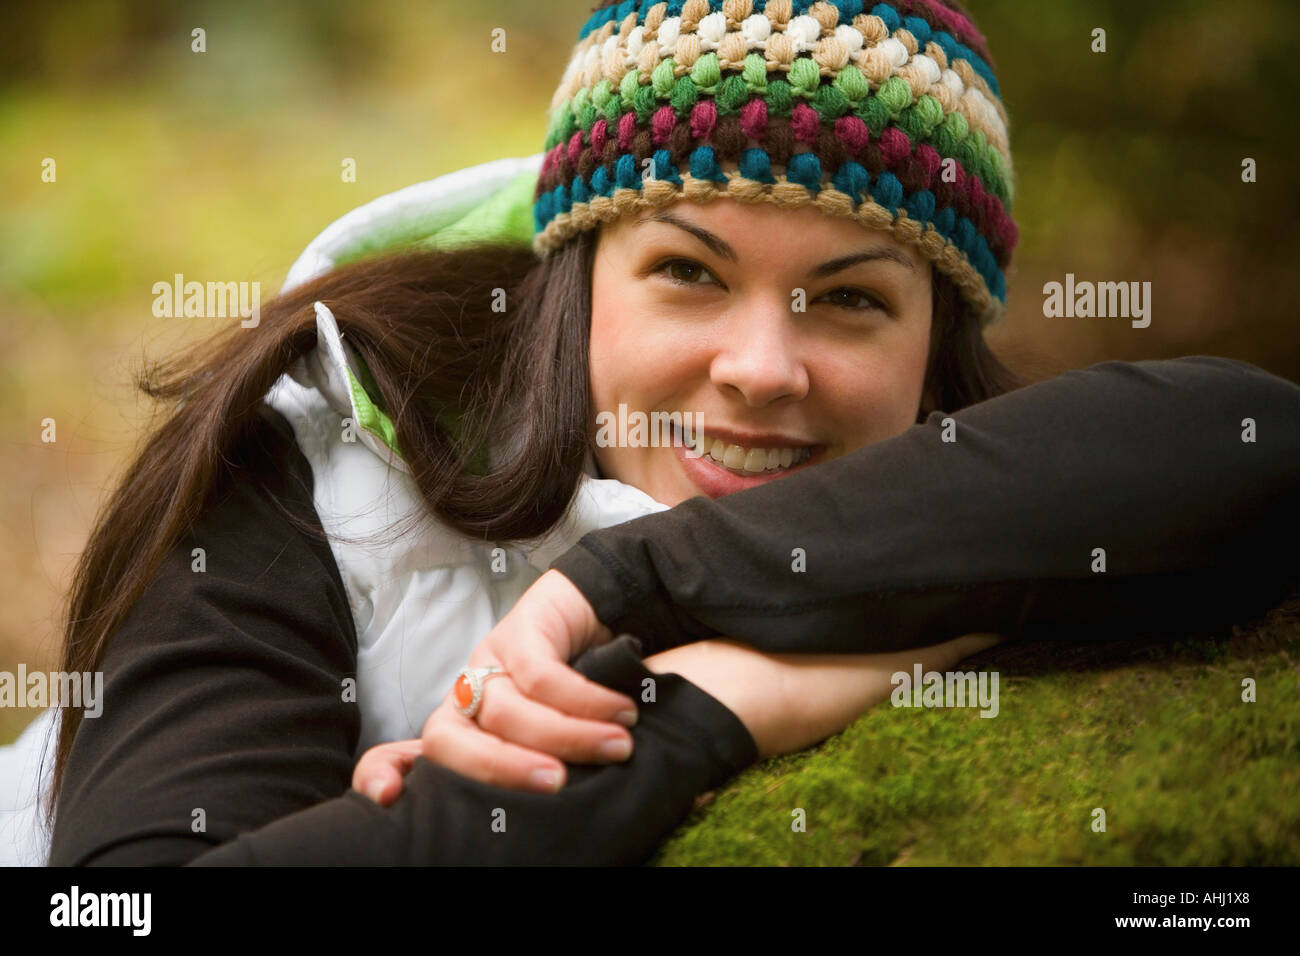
[(697, 308)]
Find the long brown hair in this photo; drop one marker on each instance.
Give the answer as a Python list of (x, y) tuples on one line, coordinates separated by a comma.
[(425, 326)]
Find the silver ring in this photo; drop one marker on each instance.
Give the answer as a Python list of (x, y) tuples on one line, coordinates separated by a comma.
[(469, 683)]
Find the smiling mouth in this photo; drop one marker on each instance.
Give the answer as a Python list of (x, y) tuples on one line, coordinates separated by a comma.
[(743, 460)]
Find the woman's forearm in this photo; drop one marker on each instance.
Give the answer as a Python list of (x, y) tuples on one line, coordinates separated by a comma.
[(1117, 499), (792, 701)]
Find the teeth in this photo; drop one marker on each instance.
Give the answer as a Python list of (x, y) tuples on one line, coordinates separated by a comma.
[(752, 460)]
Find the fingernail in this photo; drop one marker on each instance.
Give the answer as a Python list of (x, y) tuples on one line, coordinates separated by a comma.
[(617, 748), (375, 790), (626, 717), (545, 779)]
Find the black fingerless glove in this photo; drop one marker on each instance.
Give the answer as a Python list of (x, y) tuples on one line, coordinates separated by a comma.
[(685, 742)]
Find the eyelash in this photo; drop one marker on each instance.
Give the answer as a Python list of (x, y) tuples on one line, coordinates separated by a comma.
[(662, 268)]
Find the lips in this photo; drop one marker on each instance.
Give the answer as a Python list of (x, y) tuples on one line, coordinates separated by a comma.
[(715, 479)]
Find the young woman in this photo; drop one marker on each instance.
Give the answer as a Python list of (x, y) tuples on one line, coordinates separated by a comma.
[(789, 219)]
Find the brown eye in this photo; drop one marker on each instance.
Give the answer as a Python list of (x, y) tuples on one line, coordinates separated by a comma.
[(850, 299), (683, 271)]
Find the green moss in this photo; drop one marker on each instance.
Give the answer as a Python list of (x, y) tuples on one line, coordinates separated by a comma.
[(1157, 735)]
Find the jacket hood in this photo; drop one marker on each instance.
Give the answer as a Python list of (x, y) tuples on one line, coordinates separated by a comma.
[(492, 201)]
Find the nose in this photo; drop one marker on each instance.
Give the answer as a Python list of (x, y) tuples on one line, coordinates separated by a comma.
[(759, 358)]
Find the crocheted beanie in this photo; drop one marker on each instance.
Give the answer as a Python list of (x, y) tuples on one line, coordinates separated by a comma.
[(889, 115)]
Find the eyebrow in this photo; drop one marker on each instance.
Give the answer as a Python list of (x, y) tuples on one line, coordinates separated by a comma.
[(720, 247)]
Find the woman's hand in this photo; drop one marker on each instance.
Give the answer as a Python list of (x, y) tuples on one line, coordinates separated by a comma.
[(786, 701), (542, 713)]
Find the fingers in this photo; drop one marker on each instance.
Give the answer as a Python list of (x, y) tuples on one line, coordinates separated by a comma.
[(554, 609), (457, 743), (558, 686), (508, 714), (380, 772)]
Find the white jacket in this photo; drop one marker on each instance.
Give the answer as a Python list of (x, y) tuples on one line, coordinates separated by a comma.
[(420, 603)]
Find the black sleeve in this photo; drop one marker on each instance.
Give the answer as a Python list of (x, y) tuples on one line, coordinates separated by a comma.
[(914, 540), (225, 737), (686, 742)]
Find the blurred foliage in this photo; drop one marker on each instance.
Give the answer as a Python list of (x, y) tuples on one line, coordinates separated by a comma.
[(1128, 167)]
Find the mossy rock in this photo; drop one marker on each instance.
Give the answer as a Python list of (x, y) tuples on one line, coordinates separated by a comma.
[(1156, 734)]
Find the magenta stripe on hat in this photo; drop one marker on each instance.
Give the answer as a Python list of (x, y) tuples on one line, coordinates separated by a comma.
[(704, 116)]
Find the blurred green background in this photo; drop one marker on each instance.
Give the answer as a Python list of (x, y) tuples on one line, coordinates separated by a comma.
[(224, 165)]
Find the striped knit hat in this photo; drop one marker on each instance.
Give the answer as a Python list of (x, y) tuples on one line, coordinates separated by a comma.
[(853, 110)]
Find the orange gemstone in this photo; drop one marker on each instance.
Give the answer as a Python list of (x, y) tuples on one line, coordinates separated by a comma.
[(464, 692)]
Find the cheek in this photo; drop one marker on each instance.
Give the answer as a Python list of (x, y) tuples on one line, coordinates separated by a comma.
[(616, 368), (636, 355), (878, 389), (638, 366), (605, 359)]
